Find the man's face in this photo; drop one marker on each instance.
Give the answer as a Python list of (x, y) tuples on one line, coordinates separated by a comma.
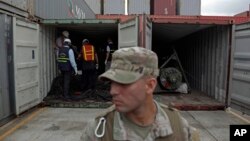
[(129, 97)]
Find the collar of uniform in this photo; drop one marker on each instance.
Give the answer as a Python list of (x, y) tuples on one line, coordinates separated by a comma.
[(161, 126)]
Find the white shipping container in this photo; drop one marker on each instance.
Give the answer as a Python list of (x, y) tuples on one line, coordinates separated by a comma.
[(188, 7), (63, 9), (138, 6), (94, 5), (114, 6)]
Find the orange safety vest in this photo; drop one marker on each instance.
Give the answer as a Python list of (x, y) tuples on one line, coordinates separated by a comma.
[(88, 52)]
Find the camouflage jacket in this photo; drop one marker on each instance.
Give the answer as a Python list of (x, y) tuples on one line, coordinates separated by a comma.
[(161, 128)]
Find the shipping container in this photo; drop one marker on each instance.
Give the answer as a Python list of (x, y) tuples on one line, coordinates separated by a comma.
[(203, 45), (240, 87), (114, 6), (188, 7), (19, 8), (163, 7), (138, 7), (62, 9), (95, 5), (20, 4), (243, 14)]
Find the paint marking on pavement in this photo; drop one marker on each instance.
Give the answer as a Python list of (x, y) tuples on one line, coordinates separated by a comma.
[(23, 122), (237, 115)]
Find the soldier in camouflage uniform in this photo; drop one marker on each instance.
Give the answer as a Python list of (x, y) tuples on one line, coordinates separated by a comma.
[(135, 115)]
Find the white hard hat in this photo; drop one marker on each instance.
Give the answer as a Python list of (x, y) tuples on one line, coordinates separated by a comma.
[(65, 34), (67, 40), (85, 40)]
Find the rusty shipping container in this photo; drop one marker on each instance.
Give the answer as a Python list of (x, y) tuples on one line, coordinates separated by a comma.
[(163, 7), (242, 14)]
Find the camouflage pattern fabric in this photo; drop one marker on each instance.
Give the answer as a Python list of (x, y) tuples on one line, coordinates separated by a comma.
[(161, 127), (130, 64)]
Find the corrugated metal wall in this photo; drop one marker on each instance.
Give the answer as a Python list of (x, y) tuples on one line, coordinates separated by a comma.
[(189, 7), (63, 9), (5, 48), (138, 6), (47, 62), (114, 6), (18, 7), (204, 56), (21, 4), (240, 95), (95, 5)]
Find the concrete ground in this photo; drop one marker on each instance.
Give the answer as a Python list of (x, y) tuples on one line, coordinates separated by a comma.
[(66, 124)]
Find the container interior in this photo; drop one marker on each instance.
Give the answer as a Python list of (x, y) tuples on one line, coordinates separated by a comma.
[(96, 33), (203, 51)]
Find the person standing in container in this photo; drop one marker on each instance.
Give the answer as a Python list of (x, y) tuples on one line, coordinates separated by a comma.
[(104, 55), (60, 40), (89, 65), (135, 115), (67, 65)]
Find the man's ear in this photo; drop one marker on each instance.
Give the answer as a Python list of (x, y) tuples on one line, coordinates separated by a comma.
[(151, 84)]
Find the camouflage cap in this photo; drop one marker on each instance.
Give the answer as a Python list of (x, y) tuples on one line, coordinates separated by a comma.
[(130, 64)]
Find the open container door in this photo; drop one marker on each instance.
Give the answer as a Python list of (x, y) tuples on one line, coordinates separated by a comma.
[(128, 33), (146, 29), (240, 96), (148, 33), (26, 68)]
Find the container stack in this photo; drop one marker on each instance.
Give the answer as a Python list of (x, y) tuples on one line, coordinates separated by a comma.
[(149, 7)]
